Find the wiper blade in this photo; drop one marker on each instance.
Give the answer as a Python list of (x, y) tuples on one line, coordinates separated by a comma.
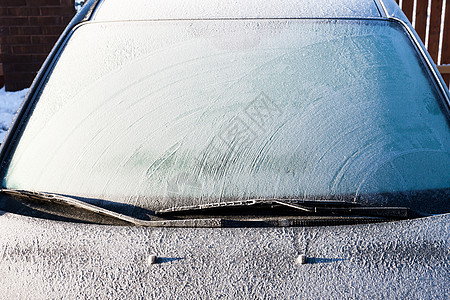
[(314, 207), (231, 204), (55, 198)]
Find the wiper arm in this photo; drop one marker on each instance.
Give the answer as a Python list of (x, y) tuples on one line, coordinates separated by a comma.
[(65, 200), (314, 207)]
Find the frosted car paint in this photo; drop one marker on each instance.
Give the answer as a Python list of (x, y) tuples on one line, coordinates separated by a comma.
[(44, 259)]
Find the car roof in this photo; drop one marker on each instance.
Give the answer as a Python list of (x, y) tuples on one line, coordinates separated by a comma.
[(119, 10)]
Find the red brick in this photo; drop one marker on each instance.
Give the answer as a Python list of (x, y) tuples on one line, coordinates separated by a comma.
[(4, 31), (57, 11), (31, 49), (34, 27), (6, 49), (20, 76), (14, 21), (8, 68), (40, 58), (32, 67), (66, 19), (14, 2), (38, 3), (44, 20), (52, 30), (12, 85), (25, 30), (67, 3), (16, 39), (44, 39), (11, 59), (23, 11)]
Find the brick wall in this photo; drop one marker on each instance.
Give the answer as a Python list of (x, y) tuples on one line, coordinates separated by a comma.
[(2, 78), (28, 31)]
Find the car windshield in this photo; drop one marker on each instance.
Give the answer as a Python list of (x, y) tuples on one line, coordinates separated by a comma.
[(161, 114)]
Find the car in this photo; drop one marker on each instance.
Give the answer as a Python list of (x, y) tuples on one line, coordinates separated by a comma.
[(263, 149)]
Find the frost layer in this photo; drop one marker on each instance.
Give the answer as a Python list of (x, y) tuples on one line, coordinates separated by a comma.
[(175, 113)]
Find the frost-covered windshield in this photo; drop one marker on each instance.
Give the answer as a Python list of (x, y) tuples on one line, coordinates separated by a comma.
[(167, 113)]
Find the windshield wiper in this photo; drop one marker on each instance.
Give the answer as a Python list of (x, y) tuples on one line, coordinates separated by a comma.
[(70, 201), (306, 213), (308, 207)]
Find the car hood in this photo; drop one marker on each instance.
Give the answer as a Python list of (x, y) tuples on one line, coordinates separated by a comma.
[(50, 259)]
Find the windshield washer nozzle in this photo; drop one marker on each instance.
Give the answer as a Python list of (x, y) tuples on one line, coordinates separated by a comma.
[(301, 259), (151, 259)]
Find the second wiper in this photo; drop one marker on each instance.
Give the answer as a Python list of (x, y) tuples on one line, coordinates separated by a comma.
[(306, 207)]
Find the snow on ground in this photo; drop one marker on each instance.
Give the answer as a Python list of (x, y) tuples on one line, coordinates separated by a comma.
[(9, 104)]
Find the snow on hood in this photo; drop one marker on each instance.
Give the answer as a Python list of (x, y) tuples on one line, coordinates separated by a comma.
[(48, 259)]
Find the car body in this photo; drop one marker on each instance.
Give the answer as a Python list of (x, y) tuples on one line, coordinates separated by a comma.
[(213, 89)]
